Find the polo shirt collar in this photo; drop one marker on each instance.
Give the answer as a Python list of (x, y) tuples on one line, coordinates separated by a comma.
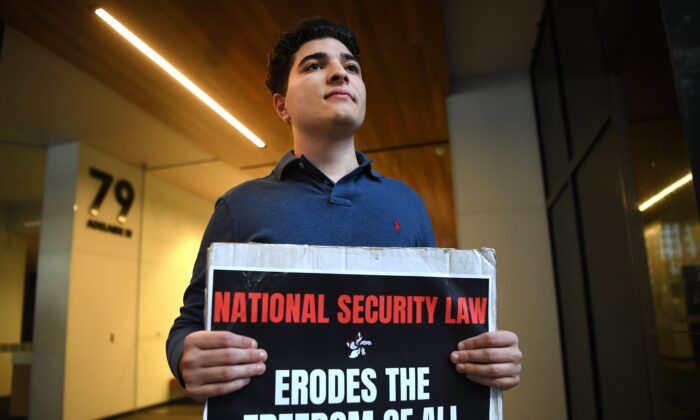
[(289, 158), (284, 161)]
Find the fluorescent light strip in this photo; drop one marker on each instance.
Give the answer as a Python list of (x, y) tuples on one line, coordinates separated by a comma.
[(666, 191), (175, 73)]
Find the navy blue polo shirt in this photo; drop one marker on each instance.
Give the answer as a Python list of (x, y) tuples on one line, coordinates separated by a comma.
[(298, 204)]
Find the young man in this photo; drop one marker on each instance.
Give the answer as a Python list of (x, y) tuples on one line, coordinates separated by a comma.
[(324, 192)]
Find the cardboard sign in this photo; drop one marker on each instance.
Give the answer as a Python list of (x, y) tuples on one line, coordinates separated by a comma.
[(353, 333)]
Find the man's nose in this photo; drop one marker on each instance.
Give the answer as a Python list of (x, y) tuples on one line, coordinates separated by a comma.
[(338, 73)]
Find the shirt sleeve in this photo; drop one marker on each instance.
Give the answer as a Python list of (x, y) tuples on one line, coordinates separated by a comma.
[(191, 317)]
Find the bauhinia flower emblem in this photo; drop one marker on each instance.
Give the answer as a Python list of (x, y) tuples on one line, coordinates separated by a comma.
[(357, 346)]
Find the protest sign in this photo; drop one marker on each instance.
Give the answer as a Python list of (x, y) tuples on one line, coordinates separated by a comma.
[(353, 333)]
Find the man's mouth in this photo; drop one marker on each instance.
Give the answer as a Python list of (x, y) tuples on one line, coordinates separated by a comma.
[(339, 93)]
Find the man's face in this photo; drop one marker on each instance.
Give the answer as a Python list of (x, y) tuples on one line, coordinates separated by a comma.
[(325, 91)]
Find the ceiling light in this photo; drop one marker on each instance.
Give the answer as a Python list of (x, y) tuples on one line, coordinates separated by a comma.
[(175, 73), (666, 191)]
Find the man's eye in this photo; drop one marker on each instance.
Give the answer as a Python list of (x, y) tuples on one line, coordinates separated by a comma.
[(313, 66), (354, 68)]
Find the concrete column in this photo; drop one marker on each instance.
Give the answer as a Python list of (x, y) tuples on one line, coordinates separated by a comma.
[(85, 322), (500, 203)]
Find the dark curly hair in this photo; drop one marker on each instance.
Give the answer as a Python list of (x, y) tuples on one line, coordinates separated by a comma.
[(280, 61)]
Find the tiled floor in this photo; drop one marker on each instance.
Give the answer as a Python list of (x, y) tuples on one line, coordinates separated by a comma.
[(178, 410)]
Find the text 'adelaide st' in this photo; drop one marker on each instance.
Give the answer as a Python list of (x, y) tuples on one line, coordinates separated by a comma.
[(310, 308)]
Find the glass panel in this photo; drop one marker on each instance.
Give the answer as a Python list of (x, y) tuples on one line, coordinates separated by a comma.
[(671, 229), (672, 236)]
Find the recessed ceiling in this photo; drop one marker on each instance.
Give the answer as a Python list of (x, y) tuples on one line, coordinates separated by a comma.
[(223, 46), (485, 38), (48, 101)]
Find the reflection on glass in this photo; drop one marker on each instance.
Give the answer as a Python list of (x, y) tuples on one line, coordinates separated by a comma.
[(672, 237)]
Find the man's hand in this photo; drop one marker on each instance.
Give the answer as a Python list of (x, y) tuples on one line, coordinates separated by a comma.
[(491, 359), (215, 363)]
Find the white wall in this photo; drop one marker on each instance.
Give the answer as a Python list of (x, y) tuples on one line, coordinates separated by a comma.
[(499, 198), (105, 302), (101, 324), (13, 257), (173, 223)]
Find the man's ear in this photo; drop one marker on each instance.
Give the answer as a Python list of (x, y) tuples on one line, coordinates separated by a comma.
[(281, 107)]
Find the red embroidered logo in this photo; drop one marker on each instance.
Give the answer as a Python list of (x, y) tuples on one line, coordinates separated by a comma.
[(397, 226)]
